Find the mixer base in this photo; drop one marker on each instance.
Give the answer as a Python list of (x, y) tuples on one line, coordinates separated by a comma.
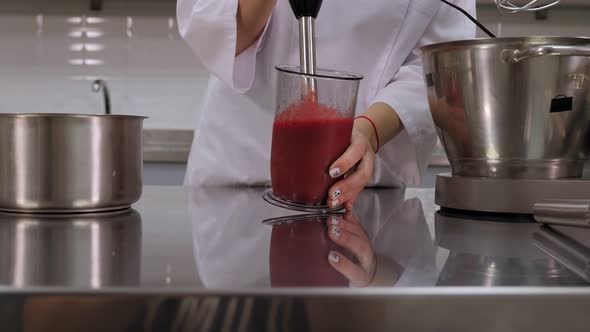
[(504, 195)]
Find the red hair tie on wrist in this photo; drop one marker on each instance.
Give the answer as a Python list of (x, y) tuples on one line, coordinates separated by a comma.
[(374, 128)]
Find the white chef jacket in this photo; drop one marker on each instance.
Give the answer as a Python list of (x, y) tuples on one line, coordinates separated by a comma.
[(376, 38)]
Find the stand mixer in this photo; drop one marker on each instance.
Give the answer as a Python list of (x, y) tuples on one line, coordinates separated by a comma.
[(512, 115)]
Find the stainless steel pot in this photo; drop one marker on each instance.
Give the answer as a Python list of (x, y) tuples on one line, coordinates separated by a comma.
[(69, 162), (75, 250), (512, 107)]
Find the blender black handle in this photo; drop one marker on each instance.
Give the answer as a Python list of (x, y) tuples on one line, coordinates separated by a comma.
[(306, 8)]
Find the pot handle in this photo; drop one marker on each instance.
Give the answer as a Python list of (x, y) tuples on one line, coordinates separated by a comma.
[(516, 56), (563, 212)]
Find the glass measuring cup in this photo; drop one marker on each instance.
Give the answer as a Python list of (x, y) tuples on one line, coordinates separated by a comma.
[(310, 131)]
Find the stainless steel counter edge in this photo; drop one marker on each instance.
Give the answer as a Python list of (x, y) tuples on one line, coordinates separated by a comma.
[(167, 145), (312, 292), (173, 146), (421, 309)]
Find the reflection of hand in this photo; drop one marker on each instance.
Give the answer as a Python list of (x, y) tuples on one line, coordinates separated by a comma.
[(450, 118), (299, 246), (347, 232)]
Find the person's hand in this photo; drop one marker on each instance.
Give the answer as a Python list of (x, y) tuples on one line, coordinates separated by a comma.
[(357, 163), (348, 233), (251, 18), (358, 160)]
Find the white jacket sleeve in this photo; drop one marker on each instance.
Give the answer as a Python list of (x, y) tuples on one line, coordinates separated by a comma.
[(209, 27), (406, 92)]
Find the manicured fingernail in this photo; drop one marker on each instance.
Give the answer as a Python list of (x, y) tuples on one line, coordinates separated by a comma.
[(333, 257), (335, 232), (334, 203), (336, 194), (335, 172), (335, 221)]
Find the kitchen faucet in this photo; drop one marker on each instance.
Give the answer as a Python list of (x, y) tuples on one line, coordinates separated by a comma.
[(98, 85)]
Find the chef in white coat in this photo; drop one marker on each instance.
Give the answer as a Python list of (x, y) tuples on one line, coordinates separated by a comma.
[(241, 41)]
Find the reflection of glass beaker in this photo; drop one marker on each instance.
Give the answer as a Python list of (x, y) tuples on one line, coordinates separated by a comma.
[(75, 250), (299, 249), (310, 132)]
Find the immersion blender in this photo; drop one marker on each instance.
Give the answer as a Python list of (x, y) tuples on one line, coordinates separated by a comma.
[(306, 11)]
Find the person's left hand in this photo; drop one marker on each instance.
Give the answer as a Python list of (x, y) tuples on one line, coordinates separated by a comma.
[(357, 163)]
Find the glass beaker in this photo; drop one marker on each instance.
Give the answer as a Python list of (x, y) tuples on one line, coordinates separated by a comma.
[(312, 128)]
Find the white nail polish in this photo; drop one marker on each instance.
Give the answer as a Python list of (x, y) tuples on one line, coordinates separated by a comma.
[(333, 257), (336, 194), (335, 232), (335, 172), (335, 221)]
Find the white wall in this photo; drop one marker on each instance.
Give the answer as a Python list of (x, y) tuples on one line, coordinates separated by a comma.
[(134, 45), (149, 68)]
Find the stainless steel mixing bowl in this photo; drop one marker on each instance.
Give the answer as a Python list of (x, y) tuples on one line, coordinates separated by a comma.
[(69, 162), (512, 107)]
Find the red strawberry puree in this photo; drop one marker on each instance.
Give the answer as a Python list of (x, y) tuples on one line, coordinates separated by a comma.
[(299, 256), (307, 138)]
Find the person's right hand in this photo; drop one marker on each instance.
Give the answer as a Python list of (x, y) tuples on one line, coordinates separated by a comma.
[(348, 233), (251, 19)]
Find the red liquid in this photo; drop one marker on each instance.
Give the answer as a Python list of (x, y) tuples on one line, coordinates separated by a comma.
[(299, 256), (307, 138)]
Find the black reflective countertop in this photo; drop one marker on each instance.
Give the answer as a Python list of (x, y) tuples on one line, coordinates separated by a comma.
[(215, 239)]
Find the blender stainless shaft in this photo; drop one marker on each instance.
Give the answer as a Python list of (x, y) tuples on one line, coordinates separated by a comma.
[(307, 52), (306, 12), (307, 44)]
